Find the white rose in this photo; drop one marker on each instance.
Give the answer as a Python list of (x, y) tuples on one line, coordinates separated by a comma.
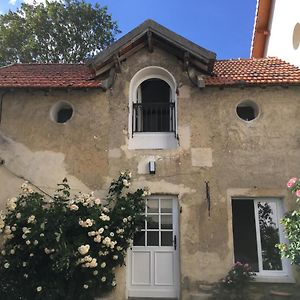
[(18, 215), (103, 265), (85, 286), (115, 257), (6, 265), (97, 201), (84, 249), (103, 279), (74, 207), (39, 289)]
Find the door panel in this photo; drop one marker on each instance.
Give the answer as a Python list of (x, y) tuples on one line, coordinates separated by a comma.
[(153, 266)]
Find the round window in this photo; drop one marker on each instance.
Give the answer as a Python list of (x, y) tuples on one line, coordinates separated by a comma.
[(61, 112), (247, 110), (296, 36)]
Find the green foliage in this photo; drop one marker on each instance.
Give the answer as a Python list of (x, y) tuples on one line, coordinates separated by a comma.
[(65, 31), (233, 285), (291, 223), (238, 277), (67, 247)]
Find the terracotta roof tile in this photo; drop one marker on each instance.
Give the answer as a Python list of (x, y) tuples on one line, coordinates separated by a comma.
[(253, 71), (263, 71), (47, 76)]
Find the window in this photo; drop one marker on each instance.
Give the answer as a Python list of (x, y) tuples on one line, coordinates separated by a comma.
[(247, 110), (158, 227), (152, 110), (61, 112), (256, 231)]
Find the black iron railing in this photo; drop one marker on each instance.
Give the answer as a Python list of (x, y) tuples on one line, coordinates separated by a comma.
[(153, 117)]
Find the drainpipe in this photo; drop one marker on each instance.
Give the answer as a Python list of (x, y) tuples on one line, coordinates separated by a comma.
[(1, 102)]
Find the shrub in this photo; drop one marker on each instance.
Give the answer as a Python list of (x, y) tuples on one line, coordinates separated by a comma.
[(64, 246), (291, 223)]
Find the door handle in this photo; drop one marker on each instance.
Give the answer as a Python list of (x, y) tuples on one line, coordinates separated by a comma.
[(175, 242)]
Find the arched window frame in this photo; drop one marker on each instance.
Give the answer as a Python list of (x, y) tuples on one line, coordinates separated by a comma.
[(151, 140)]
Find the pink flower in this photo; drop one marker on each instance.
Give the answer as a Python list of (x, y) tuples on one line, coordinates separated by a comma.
[(298, 193), (291, 182)]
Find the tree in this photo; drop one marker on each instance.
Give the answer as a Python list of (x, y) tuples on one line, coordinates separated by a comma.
[(55, 32)]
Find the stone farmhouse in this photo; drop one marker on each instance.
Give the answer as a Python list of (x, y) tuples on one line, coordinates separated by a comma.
[(214, 140)]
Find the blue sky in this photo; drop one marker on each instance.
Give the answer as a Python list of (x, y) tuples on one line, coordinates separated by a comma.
[(222, 26)]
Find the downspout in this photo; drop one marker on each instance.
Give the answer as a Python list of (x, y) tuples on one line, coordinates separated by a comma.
[(1, 102)]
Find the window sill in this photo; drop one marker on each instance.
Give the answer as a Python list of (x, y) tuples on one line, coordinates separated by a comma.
[(274, 279), (153, 140)]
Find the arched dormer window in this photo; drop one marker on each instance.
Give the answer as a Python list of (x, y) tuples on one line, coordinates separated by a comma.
[(152, 103)]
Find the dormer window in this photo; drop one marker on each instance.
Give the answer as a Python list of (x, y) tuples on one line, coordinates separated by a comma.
[(152, 120)]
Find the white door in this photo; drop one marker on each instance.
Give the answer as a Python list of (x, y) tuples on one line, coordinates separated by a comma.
[(153, 261)]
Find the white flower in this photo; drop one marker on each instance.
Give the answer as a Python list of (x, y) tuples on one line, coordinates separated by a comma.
[(84, 249), (115, 257), (11, 204), (73, 207), (85, 286), (26, 275), (35, 242), (97, 239), (12, 251), (28, 242), (24, 264), (103, 265), (31, 219), (47, 251), (6, 265), (111, 234), (113, 283), (129, 218), (103, 279), (13, 228), (92, 233), (7, 230), (18, 215), (104, 217), (125, 220), (126, 183), (119, 248), (41, 235), (101, 230), (95, 272), (39, 289), (24, 185), (97, 201), (3, 252)]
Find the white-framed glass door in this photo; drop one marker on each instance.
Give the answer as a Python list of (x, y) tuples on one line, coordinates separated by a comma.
[(153, 260)]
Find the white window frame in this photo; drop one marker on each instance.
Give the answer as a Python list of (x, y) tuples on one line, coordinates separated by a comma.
[(284, 275), (151, 140)]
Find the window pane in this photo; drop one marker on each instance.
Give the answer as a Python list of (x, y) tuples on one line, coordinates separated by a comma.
[(269, 235), (139, 239), (167, 238), (152, 206), (166, 222), (166, 206), (152, 238), (244, 232), (153, 222)]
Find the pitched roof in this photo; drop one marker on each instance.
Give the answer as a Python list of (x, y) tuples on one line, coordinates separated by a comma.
[(263, 71), (149, 34), (47, 76)]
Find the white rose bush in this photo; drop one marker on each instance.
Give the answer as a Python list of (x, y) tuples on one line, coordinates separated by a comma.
[(67, 247)]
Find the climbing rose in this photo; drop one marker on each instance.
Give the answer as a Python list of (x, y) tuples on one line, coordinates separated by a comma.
[(291, 182), (298, 193)]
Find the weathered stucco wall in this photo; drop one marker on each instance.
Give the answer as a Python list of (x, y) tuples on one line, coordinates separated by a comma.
[(236, 157)]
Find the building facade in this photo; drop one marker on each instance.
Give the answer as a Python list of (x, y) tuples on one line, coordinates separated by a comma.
[(221, 137), (277, 30)]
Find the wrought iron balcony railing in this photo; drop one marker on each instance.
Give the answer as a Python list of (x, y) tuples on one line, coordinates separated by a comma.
[(153, 117)]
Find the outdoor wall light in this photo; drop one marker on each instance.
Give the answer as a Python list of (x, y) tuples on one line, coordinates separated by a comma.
[(152, 167)]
